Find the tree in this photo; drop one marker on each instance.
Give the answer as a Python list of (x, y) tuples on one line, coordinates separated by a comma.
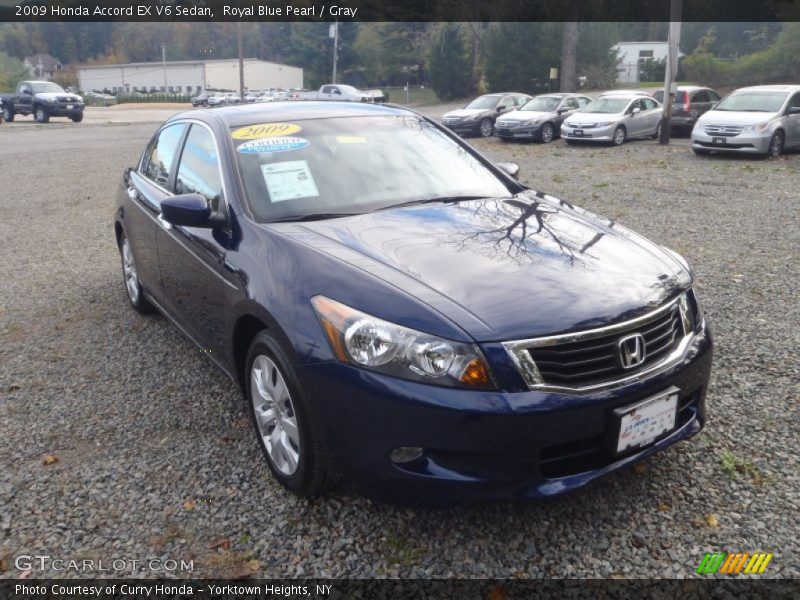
[(519, 56), (569, 41), (12, 70), (449, 63)]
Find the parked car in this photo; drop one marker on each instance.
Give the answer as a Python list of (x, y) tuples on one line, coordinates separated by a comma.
[(200, 100), (217, 99), (265, 97), (540, 118), (43, 100), (232, 98), (376, 95), (762, 119), (478, 117), (401, 312), (614, 118), (690, 102), (1, 111), (337, 92), (251, 97)]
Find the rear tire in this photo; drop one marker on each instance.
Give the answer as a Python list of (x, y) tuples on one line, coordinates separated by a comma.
[(8, 115), (657, 133), (286, 428), (131, 278), (40, 115)]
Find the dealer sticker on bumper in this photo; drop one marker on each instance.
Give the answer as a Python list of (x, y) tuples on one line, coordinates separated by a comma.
[(645, 421)]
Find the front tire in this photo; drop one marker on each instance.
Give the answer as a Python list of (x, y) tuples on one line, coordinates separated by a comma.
[(284, 424), (775, 145), (77, 118), (547, 133), (40, 115), (131, 278), (8, 115), (619, 136), (485, 128)]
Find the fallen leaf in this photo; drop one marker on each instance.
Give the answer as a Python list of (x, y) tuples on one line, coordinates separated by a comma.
[(639, 469), (664, 507), (221, 544), (497, 593), (712, 520), (190, 504), (253, 565), (49, 459)]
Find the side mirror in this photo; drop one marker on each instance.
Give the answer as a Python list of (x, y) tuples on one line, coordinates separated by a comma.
[(26, 92), (636, 111), (190, 210), (510, 169)]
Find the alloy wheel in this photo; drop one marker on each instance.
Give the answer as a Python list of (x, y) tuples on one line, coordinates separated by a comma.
[(486, 128), (619, 136), (275, 415), (129, 270), (776, 146), (547, 133)]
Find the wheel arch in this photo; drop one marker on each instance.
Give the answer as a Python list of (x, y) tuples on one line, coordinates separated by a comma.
[(247, 326)]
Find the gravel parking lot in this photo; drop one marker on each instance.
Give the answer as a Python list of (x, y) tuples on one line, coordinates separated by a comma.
[(121, 441)]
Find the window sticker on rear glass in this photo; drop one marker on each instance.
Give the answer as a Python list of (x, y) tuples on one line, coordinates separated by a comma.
[(265, 130), (289, 180), (272, 144)]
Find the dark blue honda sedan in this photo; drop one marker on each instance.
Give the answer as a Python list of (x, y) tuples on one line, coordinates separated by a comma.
[(400, 312)]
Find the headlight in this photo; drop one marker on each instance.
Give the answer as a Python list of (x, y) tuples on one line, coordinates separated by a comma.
[(532, 122), (755, 128), (604, 124), (372, 343)]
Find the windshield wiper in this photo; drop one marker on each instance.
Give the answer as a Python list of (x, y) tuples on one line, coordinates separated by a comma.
[(439, 199), (314, 216)]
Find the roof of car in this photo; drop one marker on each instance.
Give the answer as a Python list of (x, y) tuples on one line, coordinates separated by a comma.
[(770, 88), (241, 115), (625, 95)]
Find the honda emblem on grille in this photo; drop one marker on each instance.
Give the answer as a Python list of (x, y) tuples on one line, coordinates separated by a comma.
[(631, 351)]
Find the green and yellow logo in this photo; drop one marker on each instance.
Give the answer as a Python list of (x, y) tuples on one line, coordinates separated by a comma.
[(732, 564)]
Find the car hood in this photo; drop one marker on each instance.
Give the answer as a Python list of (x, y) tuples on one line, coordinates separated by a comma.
[(525, 115), (582, 118), (524, 266), (731, 117), (464, 112)]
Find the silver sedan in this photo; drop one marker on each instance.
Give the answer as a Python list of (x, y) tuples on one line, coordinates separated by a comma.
[(613, 119)]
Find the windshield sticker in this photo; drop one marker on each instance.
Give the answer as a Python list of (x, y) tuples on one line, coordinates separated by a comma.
[(351, 139), (272, 144), (265, 130), (289, 180)]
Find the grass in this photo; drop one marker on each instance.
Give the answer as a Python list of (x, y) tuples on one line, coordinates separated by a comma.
[(416, 96), (735, 466), (401, 551)]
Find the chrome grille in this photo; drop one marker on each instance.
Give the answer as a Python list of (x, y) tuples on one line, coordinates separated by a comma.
[(506, 123), (723, 130), (592, 359)]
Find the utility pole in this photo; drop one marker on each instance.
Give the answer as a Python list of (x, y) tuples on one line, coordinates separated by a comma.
[(164, 65), (335, 48), (675, 9), (241, 62)]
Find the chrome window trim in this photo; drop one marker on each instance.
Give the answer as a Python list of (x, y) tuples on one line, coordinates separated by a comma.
[(526, 366)]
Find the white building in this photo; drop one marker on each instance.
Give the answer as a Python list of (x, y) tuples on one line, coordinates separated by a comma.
[(633, 54), (188, 76)]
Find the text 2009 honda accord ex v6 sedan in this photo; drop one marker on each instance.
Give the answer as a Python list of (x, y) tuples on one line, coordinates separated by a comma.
[(402, 313)]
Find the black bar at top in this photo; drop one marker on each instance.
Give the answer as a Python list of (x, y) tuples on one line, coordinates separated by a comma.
[(396, 10)]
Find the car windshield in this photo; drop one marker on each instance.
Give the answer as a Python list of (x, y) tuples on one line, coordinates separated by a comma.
[(45, 87), (542, 104), (607, 105), (349, 165), (484, 102), (753, 102)]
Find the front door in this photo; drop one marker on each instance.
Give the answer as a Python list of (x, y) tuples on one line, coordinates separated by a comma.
[(191, 258)]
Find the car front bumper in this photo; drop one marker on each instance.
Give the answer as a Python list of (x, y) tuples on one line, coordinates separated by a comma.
[(493, 444), (749, 143), (520, 132), (63, 110), (463, 127), (592, 134)]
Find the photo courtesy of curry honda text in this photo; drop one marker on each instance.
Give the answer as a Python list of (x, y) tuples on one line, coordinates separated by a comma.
[(401, 313)]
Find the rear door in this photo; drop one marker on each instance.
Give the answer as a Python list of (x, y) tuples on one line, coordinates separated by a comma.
[(793, 122), (145, 188), (653, 114), (700, 102), (191, 258), (24, 101)]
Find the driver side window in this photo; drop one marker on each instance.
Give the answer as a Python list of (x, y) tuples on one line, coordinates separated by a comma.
[(157, 165), (506, 102), (198, 171)]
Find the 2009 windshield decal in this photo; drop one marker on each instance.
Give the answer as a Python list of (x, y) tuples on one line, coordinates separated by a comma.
[(272, 144)]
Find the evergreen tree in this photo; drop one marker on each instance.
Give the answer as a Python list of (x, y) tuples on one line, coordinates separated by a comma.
[(449, 63)]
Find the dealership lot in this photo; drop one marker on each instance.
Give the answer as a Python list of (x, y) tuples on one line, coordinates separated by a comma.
[(151, 453)]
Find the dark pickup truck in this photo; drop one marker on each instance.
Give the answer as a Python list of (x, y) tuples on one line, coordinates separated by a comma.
[(42, 99)]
